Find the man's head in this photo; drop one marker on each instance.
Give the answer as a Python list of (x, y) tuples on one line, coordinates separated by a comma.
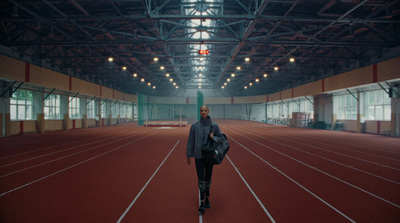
[(204, 111)]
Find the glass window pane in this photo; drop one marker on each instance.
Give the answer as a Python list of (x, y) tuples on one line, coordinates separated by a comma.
[(387, 112), (378, 112), (13, 112), (21, 112)]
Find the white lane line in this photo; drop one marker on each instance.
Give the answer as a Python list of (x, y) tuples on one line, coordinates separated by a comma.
[(60, 171), (330, 160), (63, 157), (326, 150), (297, 183), (47, 148), (252, 192), (147, 183), (59, 151), (325, 173), (51, 147), (200, 215)]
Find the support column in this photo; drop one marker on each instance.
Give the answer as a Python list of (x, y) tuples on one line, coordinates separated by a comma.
[(40, 123), (395, 117), (358, 123), (1, 125), (65, 111), (84, 121)]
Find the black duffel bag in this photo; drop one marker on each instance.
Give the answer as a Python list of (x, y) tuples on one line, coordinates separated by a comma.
[(214, 152)]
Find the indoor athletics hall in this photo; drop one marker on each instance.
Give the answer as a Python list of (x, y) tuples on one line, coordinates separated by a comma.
[(99, 98)]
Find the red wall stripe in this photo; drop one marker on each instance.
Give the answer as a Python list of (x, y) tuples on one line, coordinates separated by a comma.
[(27, 72), (292, 92), (113, 93), (232, 100), (267, 98), (21, 127), (101, 91), (73, 123), (280, 95), (323, 85), (375, 73), (70, 83)]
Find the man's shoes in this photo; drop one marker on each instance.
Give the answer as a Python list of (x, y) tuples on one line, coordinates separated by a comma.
[(207, 203), (202, 208)]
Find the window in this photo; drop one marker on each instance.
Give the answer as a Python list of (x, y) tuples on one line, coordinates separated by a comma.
[(115, 110), (122, 110), (52, 107), (21, 105), (378, 105), (91, 109), (103, 110), (129, 111), (74, 108), (347, 107)]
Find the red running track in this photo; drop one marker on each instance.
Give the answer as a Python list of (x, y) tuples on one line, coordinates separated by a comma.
[(127, 173)]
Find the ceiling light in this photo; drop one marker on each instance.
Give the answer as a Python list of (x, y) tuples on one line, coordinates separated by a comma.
[(257, 80), (134, 75), (199, 86), (174, 83), (228, 79), (176, 87), (291, 59), (110, 59), (247, 59), (265, 75), (222, 87), (154, 87), (245, 87), (238, 68), (233, 75), (149, 84), (167, 74), (225, 84), (155, 59), (142, 80), (251, 84), (200, 75), (162, 67), (123, 68), (276, 68), (171, 79)]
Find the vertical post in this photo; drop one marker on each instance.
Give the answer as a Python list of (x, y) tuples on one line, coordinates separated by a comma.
[(200, 101)]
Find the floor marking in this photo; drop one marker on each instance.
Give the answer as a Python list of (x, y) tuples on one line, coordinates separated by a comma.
[(53, 160), (67, 168), (59, 151), (200, 215), (47, 148), (147, 183), (297, 183), (330, 160), (252, 192), (337, 153), (51, 147), (325, 173)]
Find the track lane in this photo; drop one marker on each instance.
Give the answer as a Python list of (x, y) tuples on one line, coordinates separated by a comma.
[(280, 194), (322, 182), (359, 173), (92, 192)]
